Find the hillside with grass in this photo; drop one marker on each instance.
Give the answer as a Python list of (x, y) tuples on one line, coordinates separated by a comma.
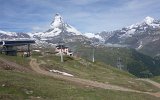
[(18, 85), (27, 86), (97, 71), (132, 61), (157, 79)]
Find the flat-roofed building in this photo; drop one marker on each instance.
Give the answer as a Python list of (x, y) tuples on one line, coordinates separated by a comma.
[(9, 47)]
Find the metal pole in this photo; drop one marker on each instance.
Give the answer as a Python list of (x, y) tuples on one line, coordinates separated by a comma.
[(62, 43), (28, 54), (93, 55), (61, 54)]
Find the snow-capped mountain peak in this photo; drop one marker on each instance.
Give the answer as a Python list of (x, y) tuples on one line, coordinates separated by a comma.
[(146, 21), (57, 22), (140, 35), (149, 20), (58, 28), (5, 35)]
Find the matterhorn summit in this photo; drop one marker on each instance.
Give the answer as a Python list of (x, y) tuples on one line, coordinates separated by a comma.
[(58, 28), (58, 21)]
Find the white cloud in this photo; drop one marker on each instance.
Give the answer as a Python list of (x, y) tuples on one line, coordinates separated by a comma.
[(83, 2), (96, 15), (140, 4), (137, 5), (39, 29), (81, 14)]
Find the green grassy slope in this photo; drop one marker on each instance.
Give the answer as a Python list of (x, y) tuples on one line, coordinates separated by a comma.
[(136, 63), (28, 85), (94, 71), (21, 86), (17, 59), (152, 49), (157, 79)]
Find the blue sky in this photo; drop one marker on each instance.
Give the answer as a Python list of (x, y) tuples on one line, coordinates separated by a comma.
[(85, 15)]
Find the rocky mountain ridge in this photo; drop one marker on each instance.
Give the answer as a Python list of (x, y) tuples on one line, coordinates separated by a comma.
[(140, 36)]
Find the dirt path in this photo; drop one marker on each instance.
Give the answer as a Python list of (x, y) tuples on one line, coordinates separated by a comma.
[(35, 66), (37, 69), (152, 82)]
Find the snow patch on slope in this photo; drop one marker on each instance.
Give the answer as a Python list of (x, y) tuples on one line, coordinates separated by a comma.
[(54, 32), (73, 30), (60, 72), (129, 33), (140, 46)]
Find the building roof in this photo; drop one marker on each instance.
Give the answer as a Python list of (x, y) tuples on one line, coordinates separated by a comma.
[(61, 47), (16, 42)]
